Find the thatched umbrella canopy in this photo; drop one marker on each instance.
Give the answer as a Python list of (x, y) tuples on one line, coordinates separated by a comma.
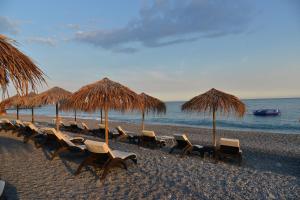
[(17, 68), (215, 101), (52, 96), (107, 95), (8, 102), (66, 105), (25, 102), (151, 104)]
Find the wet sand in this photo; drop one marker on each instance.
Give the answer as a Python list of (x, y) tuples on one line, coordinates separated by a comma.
[(270, 169)]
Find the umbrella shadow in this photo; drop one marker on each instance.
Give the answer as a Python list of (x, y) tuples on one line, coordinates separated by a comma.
[(272, 161), (12, 145)]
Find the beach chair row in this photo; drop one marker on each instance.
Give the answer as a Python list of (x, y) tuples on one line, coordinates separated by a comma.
[(98, 154), (227, 148)]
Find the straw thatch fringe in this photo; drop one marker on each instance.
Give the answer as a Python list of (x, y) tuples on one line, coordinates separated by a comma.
[(51, 96), (215, 101), (152, 104), (104, 93), (17, 68)]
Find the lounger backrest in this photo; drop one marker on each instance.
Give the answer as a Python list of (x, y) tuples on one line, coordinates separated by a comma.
[(96, 147), (121, 131), (20, 123), (31, 126), (182, 140), (229, 146), (6, 121), (229, 142), (84, 126), (63, 137), (101, 126), (148, 133)]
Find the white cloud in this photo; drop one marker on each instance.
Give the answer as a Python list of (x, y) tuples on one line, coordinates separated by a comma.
[(8, 26), (42, 40), (168, 22)]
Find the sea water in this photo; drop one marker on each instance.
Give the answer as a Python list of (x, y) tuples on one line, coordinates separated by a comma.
[(287, 122)]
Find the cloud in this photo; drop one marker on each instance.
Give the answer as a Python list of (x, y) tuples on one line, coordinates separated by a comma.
[(41, 40), (8, 26), (169, 22)]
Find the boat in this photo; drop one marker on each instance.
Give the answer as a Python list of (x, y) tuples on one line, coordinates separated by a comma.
[(266, 112)]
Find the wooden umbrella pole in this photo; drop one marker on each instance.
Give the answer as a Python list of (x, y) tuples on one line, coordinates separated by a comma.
[(32, 115), (75, 115), (106, 124), (101, 121), (17, 112), (214, 128), (143, 119), (57, 124)]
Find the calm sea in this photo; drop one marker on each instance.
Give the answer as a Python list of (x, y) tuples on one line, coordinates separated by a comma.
[(287, 122)]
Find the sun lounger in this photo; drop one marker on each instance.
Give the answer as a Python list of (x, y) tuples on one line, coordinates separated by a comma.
[(185, 146), (229, 148), (71, 126), (85, 128), (65, 142), (7, 125), (100, 155), (100, 131), (149, 139), (30, 132), (2, 186), (125, 135)]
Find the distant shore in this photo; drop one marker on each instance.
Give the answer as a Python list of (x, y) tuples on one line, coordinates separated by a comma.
[(270, 168)]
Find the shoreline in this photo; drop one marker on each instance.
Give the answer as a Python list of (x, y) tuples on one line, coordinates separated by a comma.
[(69, 118)]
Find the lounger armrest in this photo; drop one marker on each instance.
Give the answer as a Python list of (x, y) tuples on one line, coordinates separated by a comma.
[(77, 139), (122, 154)]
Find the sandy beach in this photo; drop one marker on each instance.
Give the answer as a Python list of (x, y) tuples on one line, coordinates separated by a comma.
[(270, 169)]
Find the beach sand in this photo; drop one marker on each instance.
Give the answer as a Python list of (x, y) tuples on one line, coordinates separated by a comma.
[(270, 169)]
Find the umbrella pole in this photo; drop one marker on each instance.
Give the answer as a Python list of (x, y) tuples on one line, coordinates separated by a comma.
[(32, 115), (17, 112), (214, 128), (106, 124), (101, 121), (57, 124), (75, 115), (143, 118)]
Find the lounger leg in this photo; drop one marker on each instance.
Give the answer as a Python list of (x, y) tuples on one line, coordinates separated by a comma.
[(111, 164), (59, 150), (86, 161)]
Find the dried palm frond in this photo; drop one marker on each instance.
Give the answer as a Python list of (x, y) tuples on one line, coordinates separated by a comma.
[(17, 68)]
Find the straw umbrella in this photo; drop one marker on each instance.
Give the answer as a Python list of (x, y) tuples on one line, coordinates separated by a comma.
[(107, 95), (25, 102), (149, 104), (17, 68), (7, 103), (215, 101), (52, 96)]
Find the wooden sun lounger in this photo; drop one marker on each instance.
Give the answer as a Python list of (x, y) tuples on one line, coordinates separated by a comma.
[(185, 146), (85, 128), (30, 132), (7, 125), (100, 155), (229, 148), (65, 143), (2, 186), (71, 126), (125, 135), (149, 139)]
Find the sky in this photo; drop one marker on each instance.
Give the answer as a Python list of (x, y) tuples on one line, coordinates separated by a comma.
[(170, 49)]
